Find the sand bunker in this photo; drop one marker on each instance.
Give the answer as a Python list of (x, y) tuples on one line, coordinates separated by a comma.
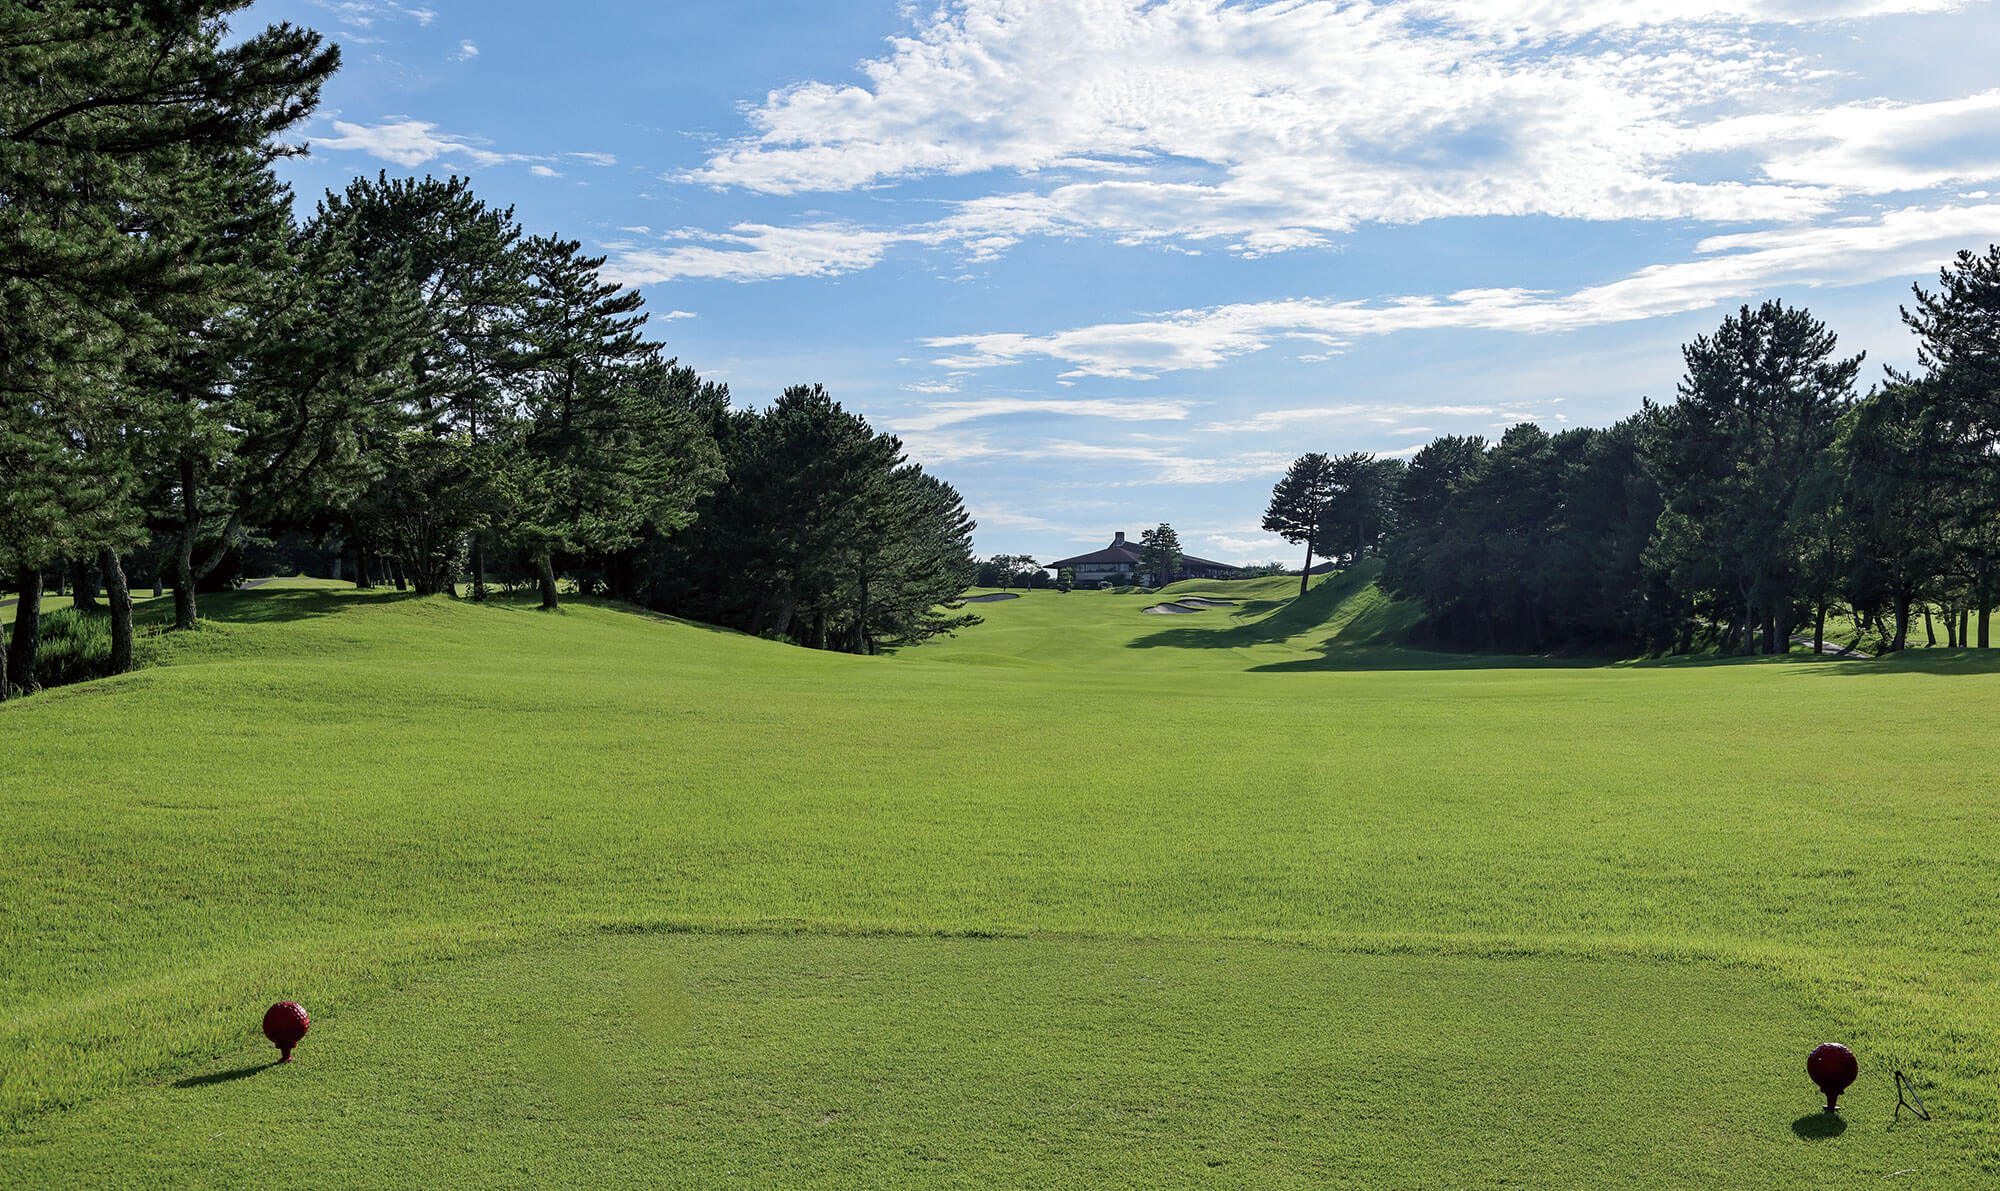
[(1169, 610), (1205, 602), (987, 599)]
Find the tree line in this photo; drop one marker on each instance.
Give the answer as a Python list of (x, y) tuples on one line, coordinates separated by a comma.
[(1766, 499), (186, 365)]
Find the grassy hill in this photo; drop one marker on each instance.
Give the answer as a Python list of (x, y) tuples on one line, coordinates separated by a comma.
[(1238, 898), (1343, 621)]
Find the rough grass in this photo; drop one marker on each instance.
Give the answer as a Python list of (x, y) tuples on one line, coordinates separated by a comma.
[(1413, 926)]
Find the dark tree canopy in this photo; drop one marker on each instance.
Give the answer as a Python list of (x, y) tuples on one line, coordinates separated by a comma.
[(1299, 505)]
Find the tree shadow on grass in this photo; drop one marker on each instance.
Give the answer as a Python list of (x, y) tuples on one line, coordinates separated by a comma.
[(1819, 1126), (216, 1077), (1942, 662), (284, 605), (1358, 629), (1267, 622)]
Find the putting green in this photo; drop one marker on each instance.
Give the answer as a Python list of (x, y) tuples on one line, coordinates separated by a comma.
[(760, 1060)]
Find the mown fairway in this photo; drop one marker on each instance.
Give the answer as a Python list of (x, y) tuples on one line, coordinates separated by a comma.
[(1083, 896)]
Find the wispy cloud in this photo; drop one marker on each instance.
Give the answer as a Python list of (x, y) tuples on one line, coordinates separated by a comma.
[(1898, 243), (754, 252), (466, 52), (364, 13), (1274, 127), (952, 413), (411, 143), (1381, 413)]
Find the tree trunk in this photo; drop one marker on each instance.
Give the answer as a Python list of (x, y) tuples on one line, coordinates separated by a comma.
[(185, 611), (1964, 627), (1819, 627), (1902, 624), (27, 631), (83, 586), (861, 625), (361, 577), (1985, 597), (396, 573), (478, 569), (6, 688), (1305, 575), (118, 594), (786, 608), (547, 568), (1930, 630)]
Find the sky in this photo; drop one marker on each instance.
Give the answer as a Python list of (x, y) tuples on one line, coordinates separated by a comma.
[(1103, 264)]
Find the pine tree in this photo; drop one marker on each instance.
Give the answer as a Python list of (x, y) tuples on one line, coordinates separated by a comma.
[(455, 257), (110, 115), (588, 456), (1160, 554), (1298, 507)]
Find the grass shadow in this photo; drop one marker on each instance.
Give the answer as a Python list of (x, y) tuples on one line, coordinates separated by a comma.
[(1269, 622), (1943, 662), (1358, 627), (284, 605), (216, 1077), (1819, 1126)]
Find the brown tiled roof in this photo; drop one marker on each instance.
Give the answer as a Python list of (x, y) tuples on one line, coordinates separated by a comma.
[(1128, 555), (1124, 554)]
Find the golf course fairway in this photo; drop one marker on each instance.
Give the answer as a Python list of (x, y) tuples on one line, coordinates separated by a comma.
[(1248, 897)]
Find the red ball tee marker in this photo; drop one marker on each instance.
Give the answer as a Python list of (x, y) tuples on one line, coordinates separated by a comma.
[(284, 1024), (1833, 1068)]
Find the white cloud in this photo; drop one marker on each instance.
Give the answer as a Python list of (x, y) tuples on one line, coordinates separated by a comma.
[(598, 159), (1156, 465), (1875, 147), (1899, 243), (1277, 126), (364, 13), (1382, 413), (1248, 549), (542, 171), (755, 252), (1273, 126), (992, 517), (670, 315), (466, 52), (1119, 465), (951, 413), (411, 143)]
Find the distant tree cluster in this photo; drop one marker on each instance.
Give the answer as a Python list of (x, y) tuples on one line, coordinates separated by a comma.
[(1764, 499), (185, 368), (1011, 570)]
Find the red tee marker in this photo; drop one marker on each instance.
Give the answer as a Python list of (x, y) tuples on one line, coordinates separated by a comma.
[(284, 1024), (1833, 1068)]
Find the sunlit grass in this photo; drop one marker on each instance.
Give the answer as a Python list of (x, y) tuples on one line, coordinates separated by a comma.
[(349, 798)]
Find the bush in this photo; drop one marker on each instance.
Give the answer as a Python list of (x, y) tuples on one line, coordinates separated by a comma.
[(74, 647)]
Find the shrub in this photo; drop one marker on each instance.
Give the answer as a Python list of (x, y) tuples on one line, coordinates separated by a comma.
[(74, 646)]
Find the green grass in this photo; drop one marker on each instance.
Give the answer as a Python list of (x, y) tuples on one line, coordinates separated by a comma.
[(603, 896)]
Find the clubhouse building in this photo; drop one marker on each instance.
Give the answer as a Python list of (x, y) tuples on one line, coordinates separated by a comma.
[(1121, 558)]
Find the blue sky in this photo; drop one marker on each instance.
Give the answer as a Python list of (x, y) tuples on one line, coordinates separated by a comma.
[(1104, 264)]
